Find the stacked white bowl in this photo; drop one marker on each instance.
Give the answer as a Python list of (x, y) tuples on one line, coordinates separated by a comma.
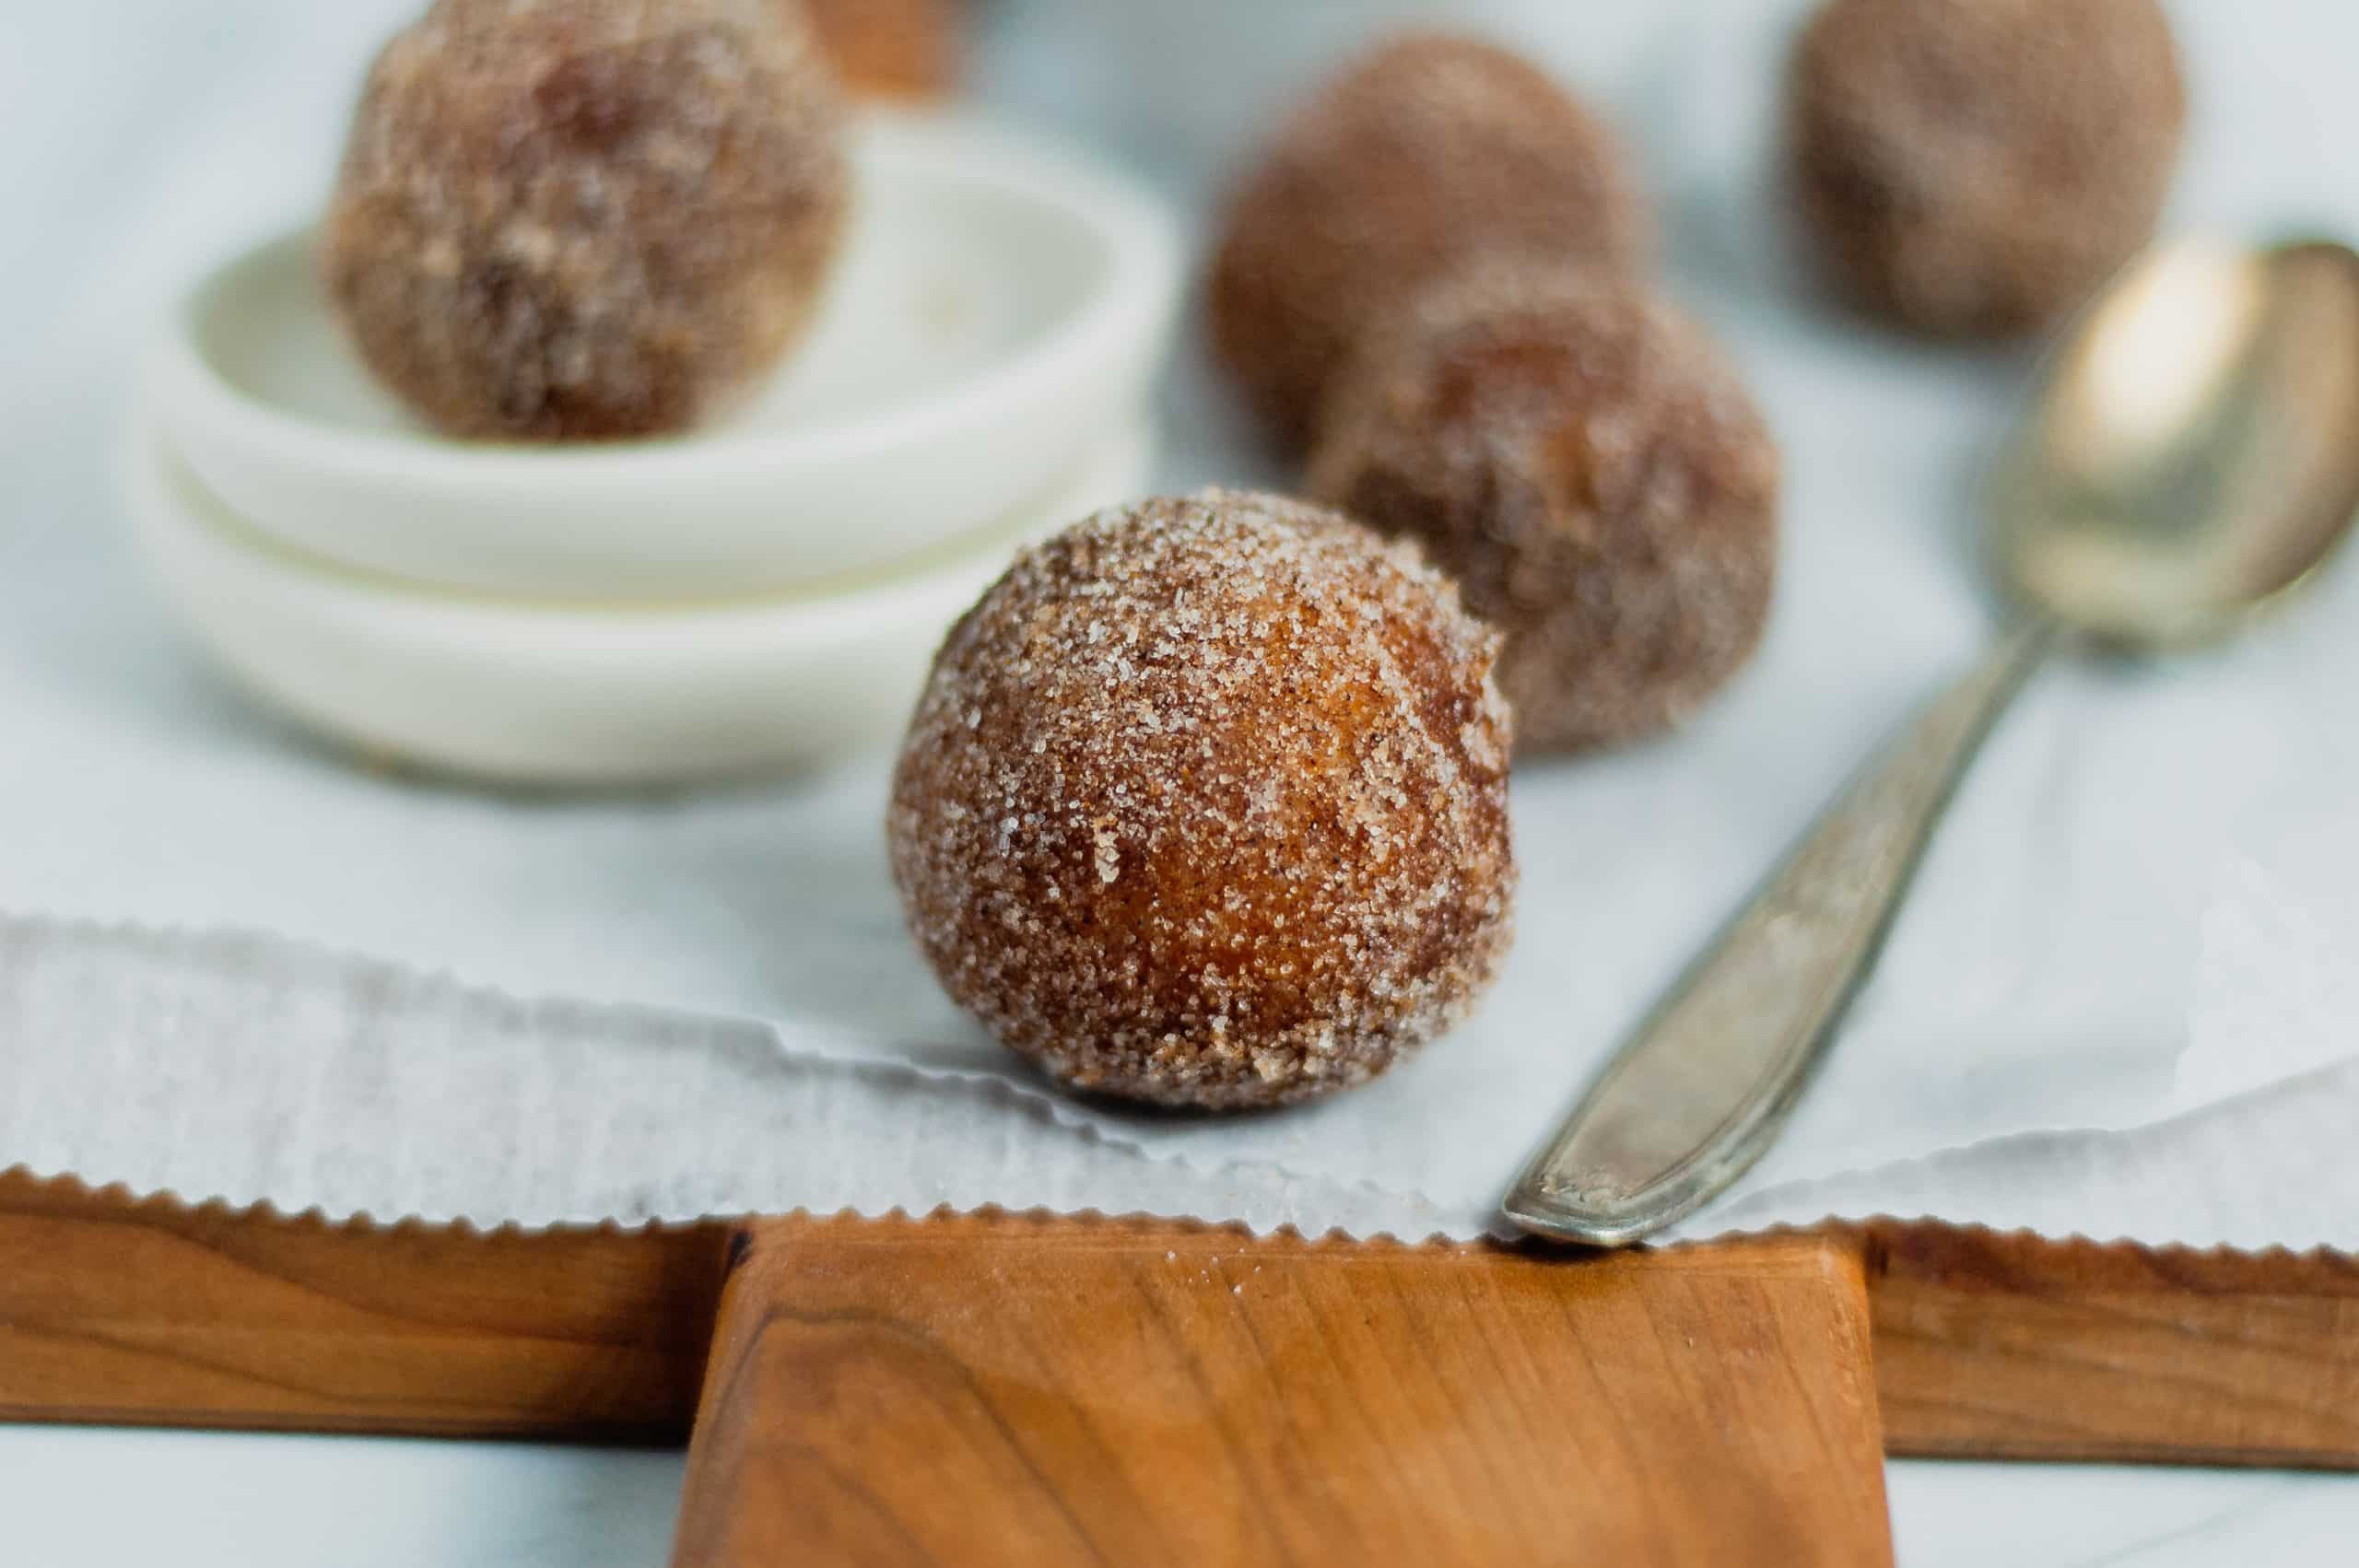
[(763, 593)]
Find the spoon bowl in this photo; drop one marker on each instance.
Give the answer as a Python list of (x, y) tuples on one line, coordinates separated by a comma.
[(2190, 455), (2192, 449)]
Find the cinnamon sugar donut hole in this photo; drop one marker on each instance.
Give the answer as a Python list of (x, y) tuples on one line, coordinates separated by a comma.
[(904, 49), (1980, 167), (577, 219), (1578, 454), (1427, 151), (1206, 804)]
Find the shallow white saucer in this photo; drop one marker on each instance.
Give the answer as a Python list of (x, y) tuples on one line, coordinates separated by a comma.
[(546, 694), (1001, 309)]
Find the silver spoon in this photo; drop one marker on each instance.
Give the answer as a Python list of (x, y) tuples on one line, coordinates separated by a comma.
[(2190, 456)]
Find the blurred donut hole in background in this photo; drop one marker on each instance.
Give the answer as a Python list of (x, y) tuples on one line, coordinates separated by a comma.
[(907, 50)]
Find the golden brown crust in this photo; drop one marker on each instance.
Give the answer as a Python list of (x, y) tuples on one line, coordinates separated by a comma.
[(585, 219), (1428, 150), (1579, 455), (1980, 167), (1206, 804)]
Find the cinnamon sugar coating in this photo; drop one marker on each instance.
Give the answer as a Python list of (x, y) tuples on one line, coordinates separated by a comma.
[(1206, 804), (1580, 458), (1427, 151), (1980, 167), (577, 219)]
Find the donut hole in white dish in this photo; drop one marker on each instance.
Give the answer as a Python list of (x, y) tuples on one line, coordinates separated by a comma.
[(1002, 307)]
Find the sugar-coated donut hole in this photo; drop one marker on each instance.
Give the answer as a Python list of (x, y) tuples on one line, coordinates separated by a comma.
[(577, 219), (1427, 151), (1206, 804), (1980, 167), (1581, 458)]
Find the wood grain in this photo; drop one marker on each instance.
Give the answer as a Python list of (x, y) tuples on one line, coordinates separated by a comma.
[(114, 1309), (1020, 1389), (1992, 1346), (154, 1313)]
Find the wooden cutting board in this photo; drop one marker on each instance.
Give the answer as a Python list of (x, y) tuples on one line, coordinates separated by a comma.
[(1001, 1388)]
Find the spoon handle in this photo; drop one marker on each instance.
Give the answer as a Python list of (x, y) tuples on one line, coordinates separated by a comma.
[(1693, 1097)]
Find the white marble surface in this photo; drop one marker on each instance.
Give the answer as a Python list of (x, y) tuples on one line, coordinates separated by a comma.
[(2088, 1516), (254, 1502), (93, 1498)]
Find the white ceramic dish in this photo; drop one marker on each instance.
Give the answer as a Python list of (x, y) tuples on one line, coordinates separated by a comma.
[(1001, 309), (544, 694)]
